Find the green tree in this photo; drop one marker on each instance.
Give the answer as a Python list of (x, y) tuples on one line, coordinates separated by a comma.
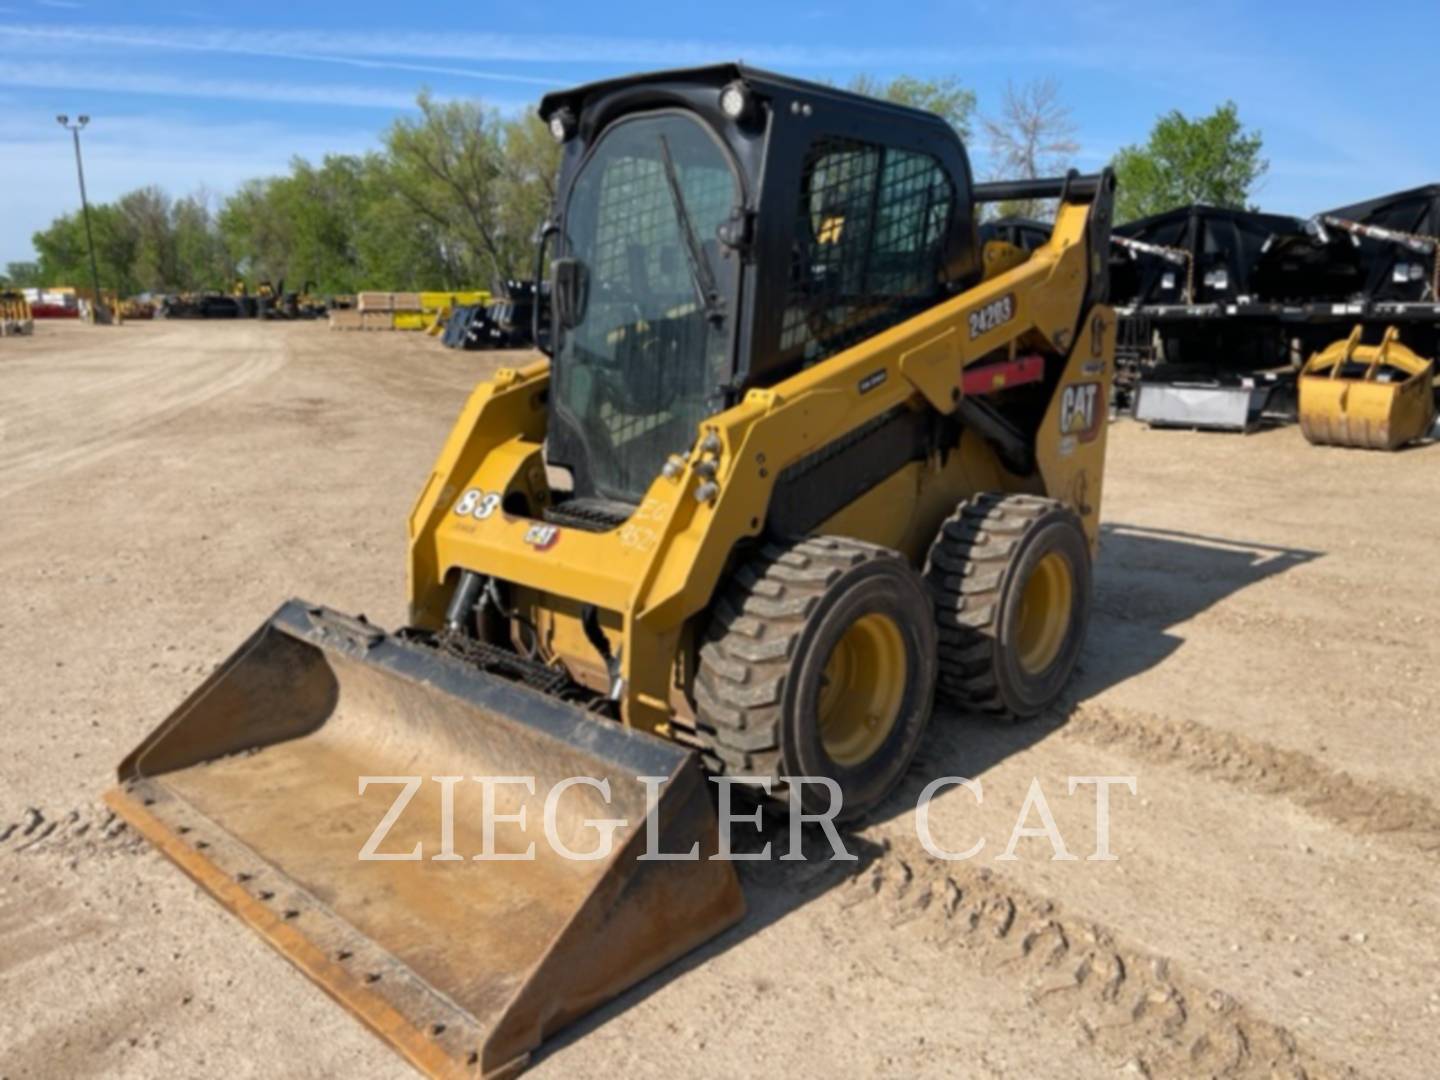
[(1211, 159), (64, 254), (317, 209), (530, 164), (448, 167), (21, 275), (452, 200), (146, 217), (60, 250), (201, 259), (395, 248), (946, 97), (144, 242), (252, 230)]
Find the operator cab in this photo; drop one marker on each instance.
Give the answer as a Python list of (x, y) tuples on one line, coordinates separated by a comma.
[(721, 228)]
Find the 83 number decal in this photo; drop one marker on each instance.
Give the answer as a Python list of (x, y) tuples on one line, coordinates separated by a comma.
[(478, 504)]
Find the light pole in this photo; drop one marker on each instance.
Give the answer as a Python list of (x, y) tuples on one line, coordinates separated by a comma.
[(74, 129)]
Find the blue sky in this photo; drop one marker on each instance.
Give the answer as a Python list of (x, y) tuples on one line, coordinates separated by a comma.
[(189, 96)]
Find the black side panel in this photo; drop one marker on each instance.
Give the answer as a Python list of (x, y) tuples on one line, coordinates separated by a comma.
[(824, 482), (1415, 211), (1217, 240), (1102, 214), (1298, 267)]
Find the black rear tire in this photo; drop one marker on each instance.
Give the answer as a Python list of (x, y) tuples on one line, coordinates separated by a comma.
[(988, 557), (770, 655)]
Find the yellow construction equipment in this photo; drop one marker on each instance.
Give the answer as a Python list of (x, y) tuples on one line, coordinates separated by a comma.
[(15, 315), (440, 306), (411, 320), (434, 301), (795, 464), (135, 308), (1378, 397)]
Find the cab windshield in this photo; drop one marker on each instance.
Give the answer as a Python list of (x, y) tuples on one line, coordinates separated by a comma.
[(648, 350)]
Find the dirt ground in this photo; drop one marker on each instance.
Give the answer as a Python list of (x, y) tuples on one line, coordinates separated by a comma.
[(1263, 663)]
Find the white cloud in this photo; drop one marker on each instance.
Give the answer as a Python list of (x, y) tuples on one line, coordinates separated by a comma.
[(114, 80), (281, 47), (537, 48)]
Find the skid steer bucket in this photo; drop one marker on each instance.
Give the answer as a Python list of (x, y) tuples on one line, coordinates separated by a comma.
[(1378, 397), (254, 787)]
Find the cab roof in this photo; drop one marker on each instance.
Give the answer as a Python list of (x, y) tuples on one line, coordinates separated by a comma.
[(765, 83)]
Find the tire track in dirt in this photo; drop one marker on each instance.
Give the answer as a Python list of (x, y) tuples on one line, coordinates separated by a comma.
[(1367, 807), (1131, 1007), (68, 431), (175, 395), (89, 831), (84, 373)]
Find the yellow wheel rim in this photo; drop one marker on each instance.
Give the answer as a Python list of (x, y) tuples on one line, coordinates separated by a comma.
[(1045, 609), (861, 689)]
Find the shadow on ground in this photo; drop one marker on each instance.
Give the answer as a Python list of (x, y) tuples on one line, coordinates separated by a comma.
[(1147, 582)]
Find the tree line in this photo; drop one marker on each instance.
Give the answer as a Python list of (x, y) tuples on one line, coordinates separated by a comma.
[(452, 196)]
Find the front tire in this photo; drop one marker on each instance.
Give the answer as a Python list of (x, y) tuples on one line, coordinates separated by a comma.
[(1011, 581), (820, 661)]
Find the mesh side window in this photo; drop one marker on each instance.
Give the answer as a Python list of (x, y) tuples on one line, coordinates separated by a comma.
[(866, 253)]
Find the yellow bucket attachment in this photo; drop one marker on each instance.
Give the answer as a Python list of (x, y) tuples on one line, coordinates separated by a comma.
[(1375, 396), (253, 787), (411, 320)]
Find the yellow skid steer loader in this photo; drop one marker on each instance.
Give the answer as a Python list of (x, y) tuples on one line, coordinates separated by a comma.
[(801, 458), (15, 315)]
